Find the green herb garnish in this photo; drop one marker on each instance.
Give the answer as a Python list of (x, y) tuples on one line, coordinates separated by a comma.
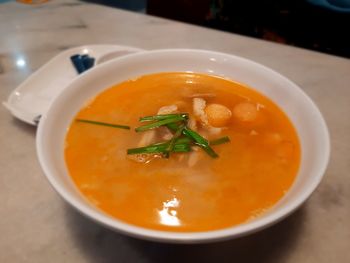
[(171, 145), (200, 141), (177, 123), (161, 148), (104, 124), (163, 116), (221, 140), (183, 137), (161, 123)]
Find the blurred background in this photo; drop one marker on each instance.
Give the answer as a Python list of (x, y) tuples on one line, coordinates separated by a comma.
[(321, 25)]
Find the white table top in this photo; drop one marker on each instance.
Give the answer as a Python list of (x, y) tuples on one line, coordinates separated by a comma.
[(37, 226)]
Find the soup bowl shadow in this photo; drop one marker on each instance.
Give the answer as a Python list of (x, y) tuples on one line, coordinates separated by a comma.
[(99, 244)]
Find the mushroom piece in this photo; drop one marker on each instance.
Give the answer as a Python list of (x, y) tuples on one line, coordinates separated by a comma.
[(192, 124), (199, 105), (147, 138), (168, 109)]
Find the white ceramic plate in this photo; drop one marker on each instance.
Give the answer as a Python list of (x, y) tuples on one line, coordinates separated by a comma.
[(33, 97), (307, 119)]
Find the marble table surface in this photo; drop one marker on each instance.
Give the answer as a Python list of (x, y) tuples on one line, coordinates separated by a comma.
[(36, 225)]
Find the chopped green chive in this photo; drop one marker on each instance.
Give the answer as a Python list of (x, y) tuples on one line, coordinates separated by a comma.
[(104, 124), (181, 141), (163, 117), (195, 136), (200, 141), (160, 123), (184, 140), (160, 148), (172, 127), (220, 140), (171, 144), (208, 150)]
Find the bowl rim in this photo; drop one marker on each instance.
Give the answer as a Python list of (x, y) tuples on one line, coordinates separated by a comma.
[(185, 237)]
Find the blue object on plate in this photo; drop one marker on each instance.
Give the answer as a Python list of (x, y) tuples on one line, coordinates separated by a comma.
[(88, 61), (82, 62)]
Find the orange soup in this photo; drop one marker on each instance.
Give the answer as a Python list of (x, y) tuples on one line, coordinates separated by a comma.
[(245, 160)]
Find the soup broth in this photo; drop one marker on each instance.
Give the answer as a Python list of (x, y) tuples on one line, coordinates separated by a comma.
[(190, 191)]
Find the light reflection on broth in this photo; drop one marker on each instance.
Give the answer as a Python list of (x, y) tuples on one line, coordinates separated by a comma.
[(188, 191), (168, 215)]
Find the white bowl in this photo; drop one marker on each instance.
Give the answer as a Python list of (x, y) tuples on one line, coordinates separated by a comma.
[(307, 119)]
